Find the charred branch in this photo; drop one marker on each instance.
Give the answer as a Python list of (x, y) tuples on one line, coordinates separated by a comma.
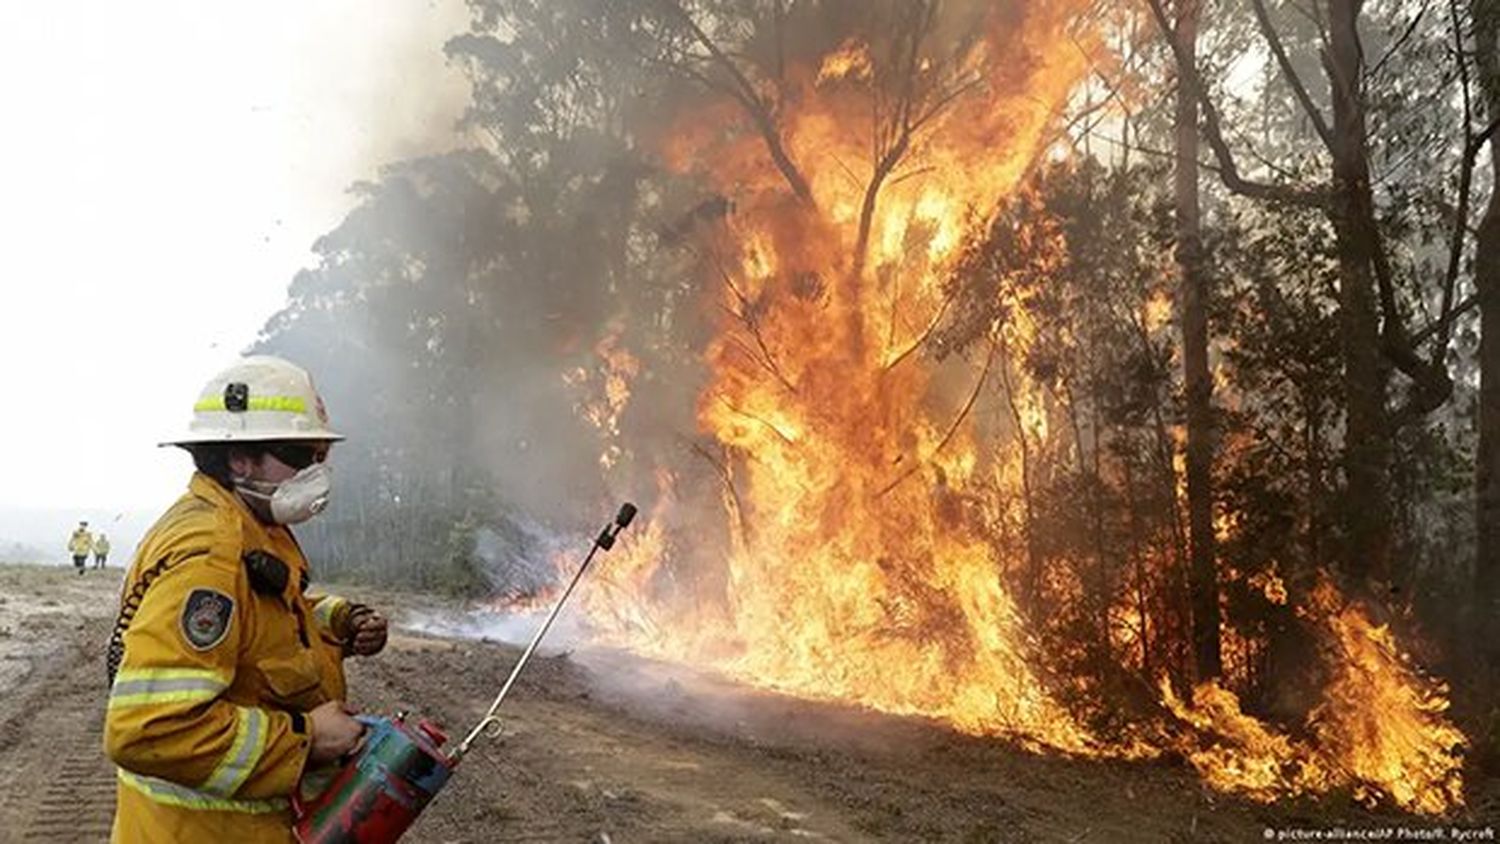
[(926, 334), (726, 477), (743, 90), (958, 421), (745, 314), (912, 109), (782, 435)]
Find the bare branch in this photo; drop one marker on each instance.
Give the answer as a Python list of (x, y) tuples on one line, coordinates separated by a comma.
[(744, 91), (757, 418), (1310, 17), (1483, 138), (1127, 146), (1265, 160), (854, 179), (721, 468), (1229, 174), (1088, 112), (912, 174), (1465, 187), (1430, 379), (1273, 40), (1320, 20), (926, 333), (893, 135), (958, 420), (945, 100), (1400, 41), (1453, 314), (746, 316)]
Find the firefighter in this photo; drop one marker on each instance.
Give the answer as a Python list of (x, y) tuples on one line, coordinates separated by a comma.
[(101, 550), (227, 681), (79, 545)]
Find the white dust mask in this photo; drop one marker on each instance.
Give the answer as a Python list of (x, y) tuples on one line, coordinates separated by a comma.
[(295, 499)]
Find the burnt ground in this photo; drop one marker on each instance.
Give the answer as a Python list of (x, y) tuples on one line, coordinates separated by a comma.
[(601, 747)]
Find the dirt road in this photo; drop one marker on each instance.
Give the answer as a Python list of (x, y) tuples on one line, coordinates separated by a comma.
[(603, 747)]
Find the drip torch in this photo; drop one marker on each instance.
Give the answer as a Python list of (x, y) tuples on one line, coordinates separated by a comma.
[(379, 790)]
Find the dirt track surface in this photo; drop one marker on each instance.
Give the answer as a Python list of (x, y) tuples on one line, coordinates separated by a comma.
[(606, 748)]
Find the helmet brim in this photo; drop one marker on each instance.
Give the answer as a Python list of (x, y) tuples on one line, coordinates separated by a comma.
[(289, 435)]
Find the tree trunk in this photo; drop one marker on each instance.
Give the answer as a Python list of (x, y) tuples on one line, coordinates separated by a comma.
[(1202, 573), (1033, 574), (1138, 563), (1486, 627), (1487, 465), (1313, 539), (1367, 444)]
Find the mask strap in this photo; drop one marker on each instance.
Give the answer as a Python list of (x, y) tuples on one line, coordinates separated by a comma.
[(258, 500), (253, 488)]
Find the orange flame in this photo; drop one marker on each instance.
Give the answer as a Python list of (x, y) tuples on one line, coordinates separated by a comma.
[(1269, 584), (1244, 755), (1379, 731), (1381, 720), (606, 390), (851, 61)]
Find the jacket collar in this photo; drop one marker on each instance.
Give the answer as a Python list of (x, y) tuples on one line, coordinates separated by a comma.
[(255, 535)]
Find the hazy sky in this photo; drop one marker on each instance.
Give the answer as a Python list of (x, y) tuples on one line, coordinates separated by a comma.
[(164, 169)]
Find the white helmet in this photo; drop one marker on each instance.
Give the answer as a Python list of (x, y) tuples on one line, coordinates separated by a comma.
[(258, 399)]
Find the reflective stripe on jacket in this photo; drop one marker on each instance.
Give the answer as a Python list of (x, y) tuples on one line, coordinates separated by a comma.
[(200, 716)]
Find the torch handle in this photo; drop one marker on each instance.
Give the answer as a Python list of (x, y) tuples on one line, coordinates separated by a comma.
[(606, 540)]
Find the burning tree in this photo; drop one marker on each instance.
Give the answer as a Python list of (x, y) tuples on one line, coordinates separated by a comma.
[(851, 166)]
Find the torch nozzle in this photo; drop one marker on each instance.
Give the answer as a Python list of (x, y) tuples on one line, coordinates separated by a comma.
[(626, 515)]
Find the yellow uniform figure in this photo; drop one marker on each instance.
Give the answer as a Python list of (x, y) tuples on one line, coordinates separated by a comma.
[(216, 669), (79, 545)]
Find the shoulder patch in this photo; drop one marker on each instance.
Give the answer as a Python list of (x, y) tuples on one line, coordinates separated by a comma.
[(206, 616)]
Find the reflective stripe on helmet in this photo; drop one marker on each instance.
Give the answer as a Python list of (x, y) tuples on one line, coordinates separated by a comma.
[(249, 745), (286, 404), (172, 794), (146, 686)]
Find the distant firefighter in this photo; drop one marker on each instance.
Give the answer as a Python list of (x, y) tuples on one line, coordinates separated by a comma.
[(79, 545), (101, 550)]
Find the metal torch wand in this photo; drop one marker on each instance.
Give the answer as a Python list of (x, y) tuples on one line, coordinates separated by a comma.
[(605, 542)]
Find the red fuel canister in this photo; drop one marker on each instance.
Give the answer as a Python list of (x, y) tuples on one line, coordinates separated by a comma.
[(375, 796)]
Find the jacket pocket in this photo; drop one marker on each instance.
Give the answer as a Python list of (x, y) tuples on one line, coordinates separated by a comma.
[(292, 681)]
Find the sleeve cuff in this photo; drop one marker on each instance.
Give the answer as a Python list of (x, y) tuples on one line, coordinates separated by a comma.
[(331, 613), (280, 768)]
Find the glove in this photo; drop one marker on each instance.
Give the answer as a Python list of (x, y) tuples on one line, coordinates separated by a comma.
[(367, 631)]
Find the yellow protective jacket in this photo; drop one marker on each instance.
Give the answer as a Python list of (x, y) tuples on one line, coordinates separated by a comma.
[(80, 543), (206, 715), (101, 545)]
